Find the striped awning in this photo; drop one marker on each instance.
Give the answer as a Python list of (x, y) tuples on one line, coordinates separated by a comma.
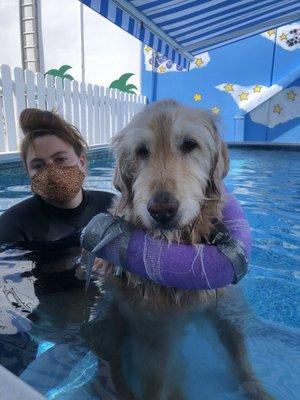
[(181, 29)]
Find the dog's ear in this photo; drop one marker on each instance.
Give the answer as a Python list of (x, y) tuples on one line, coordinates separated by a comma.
[(223, 162), (124, 169), (220, 165)]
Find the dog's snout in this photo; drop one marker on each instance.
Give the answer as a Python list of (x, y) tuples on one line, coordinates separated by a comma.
[(163, 207)]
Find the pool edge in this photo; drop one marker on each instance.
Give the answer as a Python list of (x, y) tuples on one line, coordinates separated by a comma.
[(264, 146)]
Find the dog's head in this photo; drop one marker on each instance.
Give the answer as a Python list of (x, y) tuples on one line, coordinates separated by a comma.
[(170, 162)]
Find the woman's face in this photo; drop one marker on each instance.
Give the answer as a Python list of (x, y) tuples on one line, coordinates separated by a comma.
[(49, 149)]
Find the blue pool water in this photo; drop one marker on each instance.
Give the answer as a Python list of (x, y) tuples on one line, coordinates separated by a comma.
[(267, 183)]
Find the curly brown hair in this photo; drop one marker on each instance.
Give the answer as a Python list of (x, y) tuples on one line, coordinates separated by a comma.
[(35, 123)]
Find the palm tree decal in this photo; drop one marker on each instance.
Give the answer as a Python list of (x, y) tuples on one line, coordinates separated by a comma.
[(121, 84), (61, 72)]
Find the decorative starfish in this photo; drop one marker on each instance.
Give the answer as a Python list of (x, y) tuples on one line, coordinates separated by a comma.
[(199, 62), (257, 88), (215, 110), (228, 87), (283, 36), (277, 109), (291, 95), (198, 97), (271, 32), (244, 96)]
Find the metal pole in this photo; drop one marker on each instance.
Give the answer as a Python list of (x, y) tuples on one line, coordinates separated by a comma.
[(82, 43), (29, 35)]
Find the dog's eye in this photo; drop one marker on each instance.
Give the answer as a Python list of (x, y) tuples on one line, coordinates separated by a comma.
[(188, 145), (142, 152)]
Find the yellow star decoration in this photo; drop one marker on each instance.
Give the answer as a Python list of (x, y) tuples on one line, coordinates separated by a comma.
[(257, 88), (291, 95), (244, 96), (277, 109), (271, 32), (199, 62), (162, 69), (228, 87), (215, 110), (197, 97), (283, 36), (147, 48)]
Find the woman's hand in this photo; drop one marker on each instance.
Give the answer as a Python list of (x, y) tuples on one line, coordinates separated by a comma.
[(97, 267)]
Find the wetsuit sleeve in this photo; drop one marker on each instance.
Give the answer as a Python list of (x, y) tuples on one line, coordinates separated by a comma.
[(10, 231), (33, 219), (202, 266)]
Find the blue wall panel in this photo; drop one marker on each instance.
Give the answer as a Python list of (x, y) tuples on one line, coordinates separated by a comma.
[(251, 66)]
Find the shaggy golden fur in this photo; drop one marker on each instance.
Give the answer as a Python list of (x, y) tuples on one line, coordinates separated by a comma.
[(153, 155)]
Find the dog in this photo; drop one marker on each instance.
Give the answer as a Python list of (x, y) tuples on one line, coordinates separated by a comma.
[(169, 171), (170, 163)]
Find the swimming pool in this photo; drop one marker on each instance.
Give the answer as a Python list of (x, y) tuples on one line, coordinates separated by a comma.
[(267, 183)]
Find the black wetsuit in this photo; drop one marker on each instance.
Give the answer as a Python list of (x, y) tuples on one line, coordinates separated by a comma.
[(53, 236), (36, 220)]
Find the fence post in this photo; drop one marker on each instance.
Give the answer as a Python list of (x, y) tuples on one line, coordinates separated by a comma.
[(41, 91), (126, 108), (59, 95), (82, 113), (107, 115), (30, 89), (75, 97), (113, 112), (50, 92), (90, 115), (122, 111), (10, 137), (68, 100), (19, 90), (96, 97), (102, 114), (20, 101)]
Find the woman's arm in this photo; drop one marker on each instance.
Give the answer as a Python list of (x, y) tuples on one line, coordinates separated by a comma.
[(10, 231), (204, 266)]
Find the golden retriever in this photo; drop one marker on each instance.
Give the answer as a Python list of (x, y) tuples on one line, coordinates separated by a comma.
[(170, 162), (169, 170)]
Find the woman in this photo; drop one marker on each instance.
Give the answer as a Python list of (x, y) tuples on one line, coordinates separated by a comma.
[(54, 155)]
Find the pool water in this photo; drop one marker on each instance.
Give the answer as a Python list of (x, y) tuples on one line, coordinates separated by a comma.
[(66, 327)]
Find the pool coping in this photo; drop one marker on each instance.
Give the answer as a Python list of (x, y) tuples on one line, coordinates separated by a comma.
[(264, 145), (12, 160)]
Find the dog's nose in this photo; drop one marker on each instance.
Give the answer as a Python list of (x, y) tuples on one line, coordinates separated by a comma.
[(163, 207)]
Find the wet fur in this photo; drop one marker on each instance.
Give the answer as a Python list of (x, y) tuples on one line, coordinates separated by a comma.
[(164, 125)]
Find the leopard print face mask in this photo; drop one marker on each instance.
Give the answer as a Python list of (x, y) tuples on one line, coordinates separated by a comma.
[(56, 183)]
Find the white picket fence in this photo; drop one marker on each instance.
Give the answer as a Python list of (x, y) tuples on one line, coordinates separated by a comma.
[(96, 111)]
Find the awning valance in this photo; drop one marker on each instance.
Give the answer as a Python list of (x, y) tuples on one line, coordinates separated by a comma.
[(181, 29)]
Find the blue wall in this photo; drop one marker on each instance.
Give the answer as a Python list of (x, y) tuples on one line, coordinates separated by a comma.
[(251, 66)]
